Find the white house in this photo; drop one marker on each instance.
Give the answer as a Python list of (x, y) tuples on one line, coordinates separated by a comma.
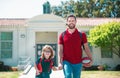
[(23, 38)]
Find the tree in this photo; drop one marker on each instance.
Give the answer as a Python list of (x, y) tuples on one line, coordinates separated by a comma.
[(89, 8), (64, 9), (106, 35)]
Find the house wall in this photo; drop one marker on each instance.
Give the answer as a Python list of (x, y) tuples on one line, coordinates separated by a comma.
[(30, 46), (112, 62), (18, 50), (46, 37), (98, 60), (22, 42)]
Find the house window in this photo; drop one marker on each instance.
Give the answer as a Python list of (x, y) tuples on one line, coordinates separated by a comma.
[(6, 42), (106, 53)]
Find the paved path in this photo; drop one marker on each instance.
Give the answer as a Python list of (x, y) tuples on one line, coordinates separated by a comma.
[(57, 74), (54, 74)]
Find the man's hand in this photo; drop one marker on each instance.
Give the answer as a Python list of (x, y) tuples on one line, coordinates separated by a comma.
[(60, 66), (88, 64)]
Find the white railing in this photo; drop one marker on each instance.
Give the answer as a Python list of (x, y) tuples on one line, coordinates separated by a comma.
[(23, 62)]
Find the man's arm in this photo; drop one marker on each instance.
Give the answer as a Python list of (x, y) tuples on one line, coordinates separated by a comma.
[(88, 52), (60, 55)]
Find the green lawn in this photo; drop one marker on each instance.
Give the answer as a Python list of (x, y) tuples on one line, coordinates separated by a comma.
[(85, 74), (100, 74), (9, 74)]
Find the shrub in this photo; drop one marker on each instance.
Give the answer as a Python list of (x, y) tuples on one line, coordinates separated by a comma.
[(117, 68), (1, 66), (95, 67)]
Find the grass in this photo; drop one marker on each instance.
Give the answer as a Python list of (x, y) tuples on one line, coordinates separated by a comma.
[(85, 74), (100, 74), (9, 74)]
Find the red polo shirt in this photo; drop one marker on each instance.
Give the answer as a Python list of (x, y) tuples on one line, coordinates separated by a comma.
[(72, 51)]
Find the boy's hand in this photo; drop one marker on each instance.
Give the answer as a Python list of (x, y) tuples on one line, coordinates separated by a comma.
[(37, 72), (54, 68)]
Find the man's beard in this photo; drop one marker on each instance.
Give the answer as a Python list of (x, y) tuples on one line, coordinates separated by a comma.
[(71, 26)]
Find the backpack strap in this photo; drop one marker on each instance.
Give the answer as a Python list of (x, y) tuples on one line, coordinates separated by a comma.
[(80, 34), (39, 66), (40, 60), (81, 39), (63, 34), (51, 65)]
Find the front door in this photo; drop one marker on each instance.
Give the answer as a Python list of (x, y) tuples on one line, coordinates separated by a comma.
[(39, 50)]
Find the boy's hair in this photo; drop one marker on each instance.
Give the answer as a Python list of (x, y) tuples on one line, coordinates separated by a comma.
[(71, 16), (51, 50)]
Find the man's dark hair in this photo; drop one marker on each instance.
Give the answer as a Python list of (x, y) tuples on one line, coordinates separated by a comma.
[(71, 16)]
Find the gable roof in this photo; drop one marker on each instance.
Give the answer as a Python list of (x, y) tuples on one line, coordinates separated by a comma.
[(80, 21)]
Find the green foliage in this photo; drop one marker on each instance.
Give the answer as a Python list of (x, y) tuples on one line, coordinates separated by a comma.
[(106, 35), (88, 8)]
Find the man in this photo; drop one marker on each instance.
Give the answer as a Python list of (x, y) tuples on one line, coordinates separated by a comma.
[(70, 51)]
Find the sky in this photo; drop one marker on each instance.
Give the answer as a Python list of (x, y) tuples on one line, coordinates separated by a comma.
[(23, 8)]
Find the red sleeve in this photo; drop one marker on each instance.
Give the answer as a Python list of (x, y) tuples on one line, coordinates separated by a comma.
[(60, 41), (84, 37)]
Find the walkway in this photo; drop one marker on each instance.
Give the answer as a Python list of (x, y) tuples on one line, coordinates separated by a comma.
[(55, 74)]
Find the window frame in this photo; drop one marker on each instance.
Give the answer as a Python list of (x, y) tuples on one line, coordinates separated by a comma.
[(8, 41), (106, 52)]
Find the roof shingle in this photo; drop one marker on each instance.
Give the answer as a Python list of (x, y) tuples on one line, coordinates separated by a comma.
[(80, 21), (95, 21)]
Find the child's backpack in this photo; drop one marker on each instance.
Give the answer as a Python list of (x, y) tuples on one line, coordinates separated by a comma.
[(39, 66)]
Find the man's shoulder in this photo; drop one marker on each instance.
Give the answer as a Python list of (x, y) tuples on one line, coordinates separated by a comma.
[(82, 32)]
